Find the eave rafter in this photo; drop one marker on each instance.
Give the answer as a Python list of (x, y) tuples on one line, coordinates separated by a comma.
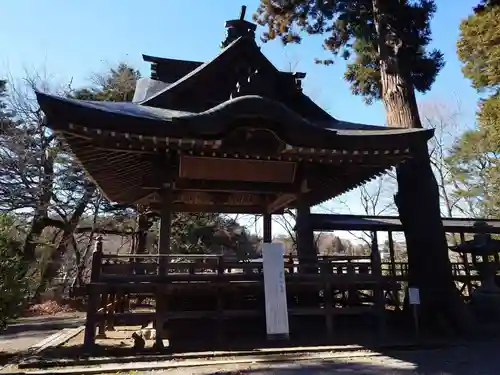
[(136, 143), (128, 175)]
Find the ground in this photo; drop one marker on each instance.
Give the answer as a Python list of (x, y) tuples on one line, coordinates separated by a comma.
[(475, 359), (29, 331)]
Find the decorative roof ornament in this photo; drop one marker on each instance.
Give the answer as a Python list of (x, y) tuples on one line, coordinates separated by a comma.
[(238, 28)]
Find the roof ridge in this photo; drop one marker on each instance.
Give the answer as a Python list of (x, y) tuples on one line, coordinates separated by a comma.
[(193, 73)]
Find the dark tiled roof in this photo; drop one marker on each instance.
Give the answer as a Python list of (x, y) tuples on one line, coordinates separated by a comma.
[(216, 122), (393, 223)]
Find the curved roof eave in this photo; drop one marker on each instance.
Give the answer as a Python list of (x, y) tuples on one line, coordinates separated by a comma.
[(215, 123)]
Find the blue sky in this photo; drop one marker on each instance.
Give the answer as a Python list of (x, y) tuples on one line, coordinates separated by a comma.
[(73, 39)]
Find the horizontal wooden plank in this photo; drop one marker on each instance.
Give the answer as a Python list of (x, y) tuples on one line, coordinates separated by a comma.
[(211, 314), (356, 310), (138, 317)]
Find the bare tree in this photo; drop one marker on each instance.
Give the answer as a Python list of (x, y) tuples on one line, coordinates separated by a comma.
[(374, 198), (287, 222), (38, 178), (446, 118)]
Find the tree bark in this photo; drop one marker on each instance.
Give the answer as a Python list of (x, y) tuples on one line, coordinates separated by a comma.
[(418, 195), (54, 263), (40, 216)]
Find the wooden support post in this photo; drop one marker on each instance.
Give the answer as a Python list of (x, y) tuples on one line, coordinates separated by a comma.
[(392, 255), (159, 322), (326, 272), (465, 258), (90, 323), (378, 291), (165, 229), (267, 219), (220, 300), (110, 318), (101, 331), (306, 250), (164, 250)]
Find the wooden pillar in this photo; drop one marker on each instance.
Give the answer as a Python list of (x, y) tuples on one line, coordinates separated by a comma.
[(393, 271), (163, 261), (268, 236), (142, 232), (94, 296), (306, 250), (465, 258), (165, 228), (378, 292)]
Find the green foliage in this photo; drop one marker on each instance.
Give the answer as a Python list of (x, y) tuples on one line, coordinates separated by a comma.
[(116, 85), (5, 116), (3, 94), (202, 233), (474, 157), (13, 286), (488, 117), (475, 174), (479, 48), (349, 31)]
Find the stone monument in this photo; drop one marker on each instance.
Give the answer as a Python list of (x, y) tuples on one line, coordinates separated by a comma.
[(485, 300)]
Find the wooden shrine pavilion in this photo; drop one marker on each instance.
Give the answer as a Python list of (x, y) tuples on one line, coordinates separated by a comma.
[(233, 134), (230, 135)]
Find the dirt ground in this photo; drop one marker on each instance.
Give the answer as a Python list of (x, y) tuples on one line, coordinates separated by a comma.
[(477, 359), (28, 331)]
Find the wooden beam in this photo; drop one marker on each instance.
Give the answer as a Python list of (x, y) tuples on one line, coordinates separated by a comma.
[(280, 202), (153, 183), (228, 209), (267, 221)]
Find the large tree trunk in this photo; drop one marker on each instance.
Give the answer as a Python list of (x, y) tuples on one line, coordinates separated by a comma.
[(54, 263), (418, 196)]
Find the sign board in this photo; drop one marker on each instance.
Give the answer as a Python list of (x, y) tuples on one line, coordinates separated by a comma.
[(275, 290), (414, 296)]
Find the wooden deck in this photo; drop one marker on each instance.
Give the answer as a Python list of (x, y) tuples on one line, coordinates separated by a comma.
[(201, 287)]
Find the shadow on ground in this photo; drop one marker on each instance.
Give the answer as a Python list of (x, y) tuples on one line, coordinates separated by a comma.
[(434, 357), (479, 358)]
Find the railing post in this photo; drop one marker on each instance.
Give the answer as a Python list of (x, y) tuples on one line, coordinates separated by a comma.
[(93, 293), (326, 273), (465, 259)]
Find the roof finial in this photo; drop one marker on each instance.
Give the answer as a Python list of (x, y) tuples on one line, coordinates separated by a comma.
[(242, 13), (239, 28)]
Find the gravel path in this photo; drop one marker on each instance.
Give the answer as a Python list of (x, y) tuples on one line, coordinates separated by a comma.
[(27, 332), (480, 359)]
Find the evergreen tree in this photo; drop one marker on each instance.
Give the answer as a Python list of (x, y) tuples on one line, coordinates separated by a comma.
[(5, 117), (475, 174), (386, 43), (479, 50), (13, 287), (474, 157)]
